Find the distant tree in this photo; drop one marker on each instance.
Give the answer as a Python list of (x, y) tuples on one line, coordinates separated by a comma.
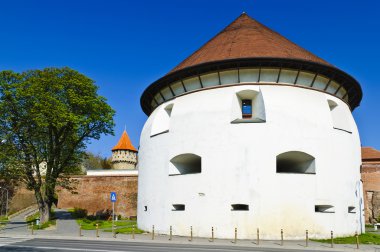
[(93, 161), (48, 116)]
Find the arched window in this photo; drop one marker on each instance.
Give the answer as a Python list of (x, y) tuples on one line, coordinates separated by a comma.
[(161, 121), (340, 117), (295, 162), (248, 107), (185, 164)]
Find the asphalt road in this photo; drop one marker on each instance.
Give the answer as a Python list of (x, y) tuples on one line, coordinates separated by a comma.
[(34, 245)]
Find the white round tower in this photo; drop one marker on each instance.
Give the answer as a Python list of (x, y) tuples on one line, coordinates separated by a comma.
[(124, 154), (251, 131)]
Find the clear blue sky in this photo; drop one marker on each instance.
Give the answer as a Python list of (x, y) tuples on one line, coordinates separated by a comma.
[(126, 45)]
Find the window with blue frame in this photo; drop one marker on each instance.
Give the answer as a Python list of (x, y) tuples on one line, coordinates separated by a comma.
[(247, 108)]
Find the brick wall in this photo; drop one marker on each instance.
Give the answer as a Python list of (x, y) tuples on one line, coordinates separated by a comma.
[(370, 173), (93, 193)]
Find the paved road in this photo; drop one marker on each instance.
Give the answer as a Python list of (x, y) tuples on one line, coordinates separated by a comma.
[(17, 225), (34, 245)]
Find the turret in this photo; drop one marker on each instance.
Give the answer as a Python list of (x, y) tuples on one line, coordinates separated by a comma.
[(124, 154)]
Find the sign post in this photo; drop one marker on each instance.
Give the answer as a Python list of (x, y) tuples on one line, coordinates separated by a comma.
[(113, 200)]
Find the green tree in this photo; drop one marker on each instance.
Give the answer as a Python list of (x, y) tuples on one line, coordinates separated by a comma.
[(47, 117)]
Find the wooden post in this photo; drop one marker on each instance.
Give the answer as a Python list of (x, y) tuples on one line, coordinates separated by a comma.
[(133, 231), (32, 227), (282, 237), (97, 230), (153, 232), (80, 230), (307, 238), (332, 239)]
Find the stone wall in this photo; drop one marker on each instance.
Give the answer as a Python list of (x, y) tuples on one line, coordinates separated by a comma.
[(93, 193)]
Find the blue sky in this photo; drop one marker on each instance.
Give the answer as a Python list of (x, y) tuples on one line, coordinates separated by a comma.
[(126, 45)]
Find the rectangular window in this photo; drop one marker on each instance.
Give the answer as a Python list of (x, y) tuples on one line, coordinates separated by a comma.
[(178, 207), (239, 207), (324, 209), (247, 108), (351, 209)]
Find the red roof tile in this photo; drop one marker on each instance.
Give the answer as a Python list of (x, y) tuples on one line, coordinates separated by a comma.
[(369, 153), (124, 143), (247, 38)]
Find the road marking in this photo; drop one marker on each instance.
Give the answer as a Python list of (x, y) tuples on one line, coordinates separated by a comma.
[(5, 241), (128, 249)]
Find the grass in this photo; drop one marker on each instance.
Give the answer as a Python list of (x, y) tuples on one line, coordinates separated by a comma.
[(90, 222), (122, 226), (367, 238), (32, 219)]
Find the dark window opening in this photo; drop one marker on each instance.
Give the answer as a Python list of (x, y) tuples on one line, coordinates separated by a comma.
[(324, 209), (145, 208), (247, 108), (239, 207), (185, 164), (295, 162), (178, 207), (351, 209)]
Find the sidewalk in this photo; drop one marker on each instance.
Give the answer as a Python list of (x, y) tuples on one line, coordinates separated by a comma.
[(164, 239), (67, 228)]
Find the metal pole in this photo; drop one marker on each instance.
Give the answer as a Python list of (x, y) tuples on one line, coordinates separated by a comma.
[(357, 240), (6, 207), (191, 233), (153, 232), (332, 239), (212, 234), (258, 237), (113, 217), (307, 238), (114, 233), (170, 234), (235, 236), (282, 237)]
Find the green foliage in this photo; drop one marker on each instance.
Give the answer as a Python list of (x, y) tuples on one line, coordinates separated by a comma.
[(367, 238), (93, 161), (125, 227), (78, 213), (32, 219), (46, 118)]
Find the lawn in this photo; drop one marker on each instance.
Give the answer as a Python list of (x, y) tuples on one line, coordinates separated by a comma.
[(367, 238), (32, 219), (89, 223)]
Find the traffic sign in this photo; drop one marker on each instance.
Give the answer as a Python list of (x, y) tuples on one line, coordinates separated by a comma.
[(113, 197)]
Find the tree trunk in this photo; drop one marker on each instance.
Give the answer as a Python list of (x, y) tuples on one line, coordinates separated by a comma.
[(45, 214), (43, 207)]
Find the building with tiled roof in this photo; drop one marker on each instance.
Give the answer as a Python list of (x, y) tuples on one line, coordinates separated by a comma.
[(370, 172), (251, 131), (124, 154)]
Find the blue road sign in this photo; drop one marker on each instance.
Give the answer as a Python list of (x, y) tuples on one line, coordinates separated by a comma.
[(113, 197)]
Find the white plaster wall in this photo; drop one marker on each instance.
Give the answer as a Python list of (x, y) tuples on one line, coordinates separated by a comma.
[(239, 167)]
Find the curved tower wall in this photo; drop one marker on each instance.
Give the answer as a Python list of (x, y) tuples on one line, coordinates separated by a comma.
[(124, 159), (238, 164)]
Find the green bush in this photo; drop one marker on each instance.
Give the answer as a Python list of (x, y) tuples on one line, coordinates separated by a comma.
[(79, 213)]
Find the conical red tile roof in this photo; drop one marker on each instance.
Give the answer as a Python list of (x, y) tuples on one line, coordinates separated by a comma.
[(124, 143), (247, 38)]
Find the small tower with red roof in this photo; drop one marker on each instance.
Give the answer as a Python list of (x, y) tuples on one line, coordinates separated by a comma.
[(124, 154)]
